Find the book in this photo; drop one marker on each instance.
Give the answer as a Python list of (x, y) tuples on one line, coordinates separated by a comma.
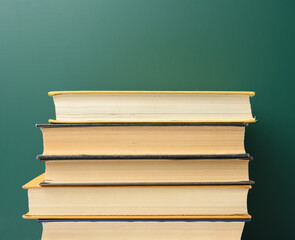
[(188, 170), (144, 230), (195, 200), (143, 139), (151, 106)]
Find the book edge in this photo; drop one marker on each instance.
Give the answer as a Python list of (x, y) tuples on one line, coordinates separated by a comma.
[(147, 220), (245, 156), (29, 216), (250, 93), (35, 183), (118, 184), (53, 121), (128, 124)]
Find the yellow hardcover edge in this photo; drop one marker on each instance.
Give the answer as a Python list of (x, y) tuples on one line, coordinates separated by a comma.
[(53, 93), (28, 216), (205, 121), (35, 183)]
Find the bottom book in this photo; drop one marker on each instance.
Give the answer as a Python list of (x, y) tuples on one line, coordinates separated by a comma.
[(166, 229)]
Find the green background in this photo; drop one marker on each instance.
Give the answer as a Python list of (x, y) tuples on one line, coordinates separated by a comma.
[(149, 45)]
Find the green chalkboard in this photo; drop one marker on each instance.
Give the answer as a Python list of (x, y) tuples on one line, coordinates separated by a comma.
[(149, 45)]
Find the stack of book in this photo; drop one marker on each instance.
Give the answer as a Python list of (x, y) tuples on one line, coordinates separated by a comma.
[(144, 165)]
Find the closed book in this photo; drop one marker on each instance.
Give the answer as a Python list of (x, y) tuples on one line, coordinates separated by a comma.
[(161, 200), (146, 170), (151, 106), (143, 139), (163, 229)]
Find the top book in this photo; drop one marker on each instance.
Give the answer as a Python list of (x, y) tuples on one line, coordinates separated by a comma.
[(151, 106)]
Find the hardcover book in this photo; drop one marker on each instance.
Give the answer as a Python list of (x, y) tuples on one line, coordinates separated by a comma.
[(163, 229), (149, 106), (195, 200), (143, 139), (137, 170)]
